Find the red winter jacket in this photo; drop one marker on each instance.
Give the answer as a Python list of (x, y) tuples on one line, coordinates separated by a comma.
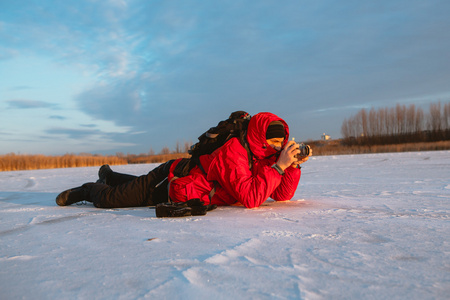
[(227, 169)]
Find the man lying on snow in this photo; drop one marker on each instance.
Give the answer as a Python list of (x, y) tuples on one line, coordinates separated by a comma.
[(245, 170)]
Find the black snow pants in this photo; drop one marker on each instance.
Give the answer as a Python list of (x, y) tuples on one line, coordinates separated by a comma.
[(123, 190)]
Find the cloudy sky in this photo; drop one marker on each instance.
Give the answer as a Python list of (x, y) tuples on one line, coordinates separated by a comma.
[(130, 76)]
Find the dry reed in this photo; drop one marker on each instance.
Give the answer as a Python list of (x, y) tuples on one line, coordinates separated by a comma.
[(15, 162)]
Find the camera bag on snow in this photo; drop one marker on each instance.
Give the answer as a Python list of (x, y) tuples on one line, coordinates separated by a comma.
[(193, 207)]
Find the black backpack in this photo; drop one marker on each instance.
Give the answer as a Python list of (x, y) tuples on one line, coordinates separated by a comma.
[(235, 126)]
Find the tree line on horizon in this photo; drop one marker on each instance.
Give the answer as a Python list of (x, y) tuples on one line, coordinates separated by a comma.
[(399, 124), (394, 129)]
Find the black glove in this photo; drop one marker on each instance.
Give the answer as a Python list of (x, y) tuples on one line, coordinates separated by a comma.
[(193, 207)]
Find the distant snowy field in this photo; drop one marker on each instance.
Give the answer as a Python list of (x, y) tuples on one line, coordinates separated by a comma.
[(359, 227)]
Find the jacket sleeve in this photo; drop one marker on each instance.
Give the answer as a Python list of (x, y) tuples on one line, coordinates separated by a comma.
[(230, 169), (288, 186)]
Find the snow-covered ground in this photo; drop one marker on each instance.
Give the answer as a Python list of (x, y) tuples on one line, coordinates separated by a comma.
[(359, 227)]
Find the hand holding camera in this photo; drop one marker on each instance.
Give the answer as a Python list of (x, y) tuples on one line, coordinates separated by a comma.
[(304, 154), (294, 154), (305, 151)]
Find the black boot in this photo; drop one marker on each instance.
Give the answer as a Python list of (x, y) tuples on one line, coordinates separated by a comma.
[(74, 195), (103, 173)]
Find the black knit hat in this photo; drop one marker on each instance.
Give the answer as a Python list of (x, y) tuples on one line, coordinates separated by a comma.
[(275, 130)]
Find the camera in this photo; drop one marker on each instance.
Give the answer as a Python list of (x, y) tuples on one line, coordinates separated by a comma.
[(305, 150)]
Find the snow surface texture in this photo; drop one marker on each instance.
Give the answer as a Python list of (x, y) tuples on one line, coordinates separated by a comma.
[(359, 227)]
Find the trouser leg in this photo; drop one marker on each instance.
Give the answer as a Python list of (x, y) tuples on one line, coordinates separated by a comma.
[(115, 179), (107, 176), (139, 191)]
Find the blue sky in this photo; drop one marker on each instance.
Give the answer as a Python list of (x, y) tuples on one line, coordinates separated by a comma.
[(130, 76)]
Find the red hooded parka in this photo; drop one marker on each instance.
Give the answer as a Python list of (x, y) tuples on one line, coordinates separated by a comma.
[(227, 170)]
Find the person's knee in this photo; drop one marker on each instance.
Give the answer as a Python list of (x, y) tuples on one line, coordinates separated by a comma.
[(97, 193)]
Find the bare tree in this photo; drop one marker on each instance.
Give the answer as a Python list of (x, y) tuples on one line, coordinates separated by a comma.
[(400, 118), (434, 122), (187, 146), (418, 126), (373, 123), (356, 125), (381, 121), (178, 147), (165, 150), (363, 122), (345, 129), (390, 121), (446, 116), (410, 118)]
